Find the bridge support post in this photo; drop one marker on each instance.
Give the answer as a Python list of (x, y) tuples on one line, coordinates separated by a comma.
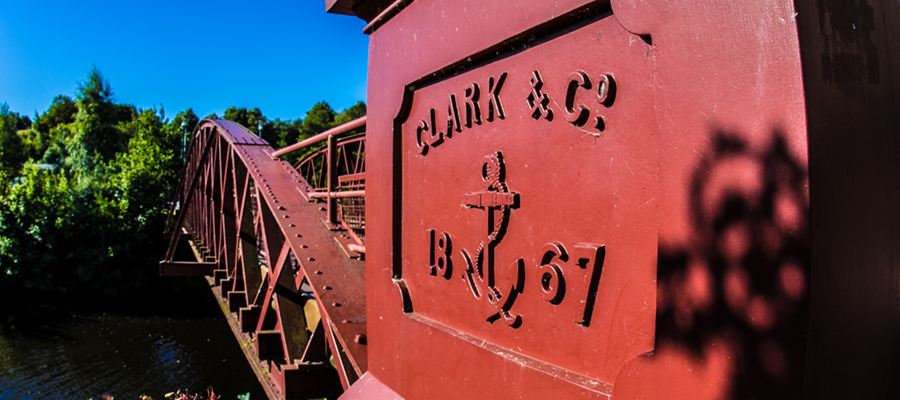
[(331, 159)]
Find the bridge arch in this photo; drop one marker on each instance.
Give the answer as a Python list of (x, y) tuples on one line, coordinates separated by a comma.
[(271, 240)]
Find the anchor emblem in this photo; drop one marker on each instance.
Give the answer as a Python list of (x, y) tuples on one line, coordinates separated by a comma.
[(497, 200)]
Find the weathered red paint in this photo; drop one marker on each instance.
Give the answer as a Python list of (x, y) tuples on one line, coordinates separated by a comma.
[(688, 182)]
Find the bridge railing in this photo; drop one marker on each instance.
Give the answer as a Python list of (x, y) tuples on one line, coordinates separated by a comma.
[(291, 291), (334, 167)]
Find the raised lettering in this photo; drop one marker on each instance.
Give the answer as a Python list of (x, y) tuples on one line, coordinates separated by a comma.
[(553, 282), (453, 121), (473, 110), (420, 144), (577, 115), (606, 90), (606, 95), (495, 106), (537, 100), (590, 256), (437, 137), (440, 248)]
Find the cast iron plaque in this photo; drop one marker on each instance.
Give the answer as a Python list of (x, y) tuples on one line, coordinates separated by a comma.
[(525, 210)]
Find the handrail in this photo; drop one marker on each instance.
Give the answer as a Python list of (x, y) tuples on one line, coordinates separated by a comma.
[(344, 140), (338, 194), (340, 129), (334, 149)]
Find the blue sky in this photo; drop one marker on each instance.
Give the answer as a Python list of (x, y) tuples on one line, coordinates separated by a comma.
[(280, 55)]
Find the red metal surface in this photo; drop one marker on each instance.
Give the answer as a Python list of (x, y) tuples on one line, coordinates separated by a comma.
[(511, 223), (286, 281), (573, 199), (633, 224)]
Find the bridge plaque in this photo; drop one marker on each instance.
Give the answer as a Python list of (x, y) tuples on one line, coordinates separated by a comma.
[(525, 200)]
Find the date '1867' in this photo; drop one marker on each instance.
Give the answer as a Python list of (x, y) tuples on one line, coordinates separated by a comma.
[(479, 274)]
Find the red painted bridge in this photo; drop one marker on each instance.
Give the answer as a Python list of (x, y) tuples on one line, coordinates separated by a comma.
[(572, 199), (283, 246)]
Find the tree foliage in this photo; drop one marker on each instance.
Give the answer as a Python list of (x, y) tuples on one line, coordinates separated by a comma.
[(11, 145), (84, 190), (248, 117), (353, 112), (318, 119), (45, 129), (280, 133), (186, 118), (62, 111), (83, 204)]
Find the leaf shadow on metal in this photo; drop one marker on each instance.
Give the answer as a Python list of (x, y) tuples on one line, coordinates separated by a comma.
[(742, 280)]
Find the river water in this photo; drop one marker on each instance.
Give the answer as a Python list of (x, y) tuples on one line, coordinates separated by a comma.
[(50, 354)]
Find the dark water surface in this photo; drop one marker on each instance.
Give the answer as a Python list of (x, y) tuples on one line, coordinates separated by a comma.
[(49, 354)]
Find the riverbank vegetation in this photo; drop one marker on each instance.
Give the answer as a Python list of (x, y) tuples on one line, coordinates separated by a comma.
[(85, 186)]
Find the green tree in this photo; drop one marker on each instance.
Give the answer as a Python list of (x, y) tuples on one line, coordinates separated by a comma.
[(353, 112), (11, 148), (284, 132), (46, 128), (248, 117), (318, 119), (184, 123), (144, 176), (148, 169), (189, 119), (97, 138), (55, 151), (91, 224), (62, 111)]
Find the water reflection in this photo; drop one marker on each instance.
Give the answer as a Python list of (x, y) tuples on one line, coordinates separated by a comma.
[(62, 356)]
